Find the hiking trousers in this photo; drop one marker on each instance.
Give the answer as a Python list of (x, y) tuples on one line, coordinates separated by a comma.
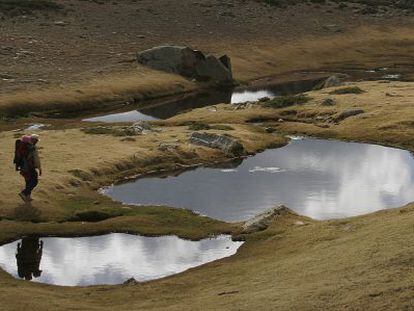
[(32, 179)]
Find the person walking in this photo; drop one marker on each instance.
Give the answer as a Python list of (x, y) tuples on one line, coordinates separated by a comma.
[(27, 161)]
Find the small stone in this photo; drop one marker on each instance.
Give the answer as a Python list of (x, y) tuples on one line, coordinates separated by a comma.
[(230, 146), (299, 223), (328, 102), (131, 281)]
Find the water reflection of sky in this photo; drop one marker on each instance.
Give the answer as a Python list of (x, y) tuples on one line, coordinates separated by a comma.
[(192, 102), (241, 97), (114, 258), (130, 116), (318, 178)]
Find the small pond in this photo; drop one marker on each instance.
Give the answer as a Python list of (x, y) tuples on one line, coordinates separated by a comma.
[(323, 179), (108, 259), (168, 109)]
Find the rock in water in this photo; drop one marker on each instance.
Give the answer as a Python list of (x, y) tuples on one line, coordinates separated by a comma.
[(188, 62), (228, 145)]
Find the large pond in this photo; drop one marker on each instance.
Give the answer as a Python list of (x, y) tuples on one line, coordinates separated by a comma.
[(108, 259), (322, 179), (168, 109)]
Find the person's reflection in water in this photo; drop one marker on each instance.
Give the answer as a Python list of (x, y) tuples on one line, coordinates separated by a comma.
[(29, 255)]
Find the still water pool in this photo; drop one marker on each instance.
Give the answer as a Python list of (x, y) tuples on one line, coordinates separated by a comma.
[(108, 259), (323, 179), (168, 109)]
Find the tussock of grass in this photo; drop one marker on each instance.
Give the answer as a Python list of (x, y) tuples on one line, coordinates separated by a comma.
[(287, 101), (200, 126), (347, 90)]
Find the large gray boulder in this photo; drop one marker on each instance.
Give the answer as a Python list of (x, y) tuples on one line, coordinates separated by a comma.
[(185, 61), (213, 69), (228, 145)]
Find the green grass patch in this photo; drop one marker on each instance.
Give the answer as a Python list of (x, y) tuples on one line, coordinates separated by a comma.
[(347, 90), (287, 101), (222, 127), (201, 126), (18, 7)]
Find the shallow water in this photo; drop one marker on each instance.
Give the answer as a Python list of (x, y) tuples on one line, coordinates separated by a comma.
[(172, 108), (322, 179), (109, 259), (129, 116)]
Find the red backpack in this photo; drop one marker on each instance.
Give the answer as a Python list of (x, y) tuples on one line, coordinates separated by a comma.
[(21, 153)]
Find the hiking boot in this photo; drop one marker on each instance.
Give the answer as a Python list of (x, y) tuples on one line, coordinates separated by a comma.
[(23, 197)]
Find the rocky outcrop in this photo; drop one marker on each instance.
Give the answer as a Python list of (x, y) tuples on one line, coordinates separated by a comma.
[(188, 62), (328, 102), (332, 81), (348, 113), (263, 220), (228, 145)]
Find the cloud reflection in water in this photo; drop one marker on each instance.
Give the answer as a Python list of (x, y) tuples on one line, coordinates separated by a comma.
[(318, 178), (114, 258)]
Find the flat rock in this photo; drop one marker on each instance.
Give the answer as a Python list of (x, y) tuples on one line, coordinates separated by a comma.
[(228, 145), (261, 221)]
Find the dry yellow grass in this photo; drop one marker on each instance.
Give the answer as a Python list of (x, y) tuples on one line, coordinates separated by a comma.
[(361, 263), (75, 163), (137, 84)]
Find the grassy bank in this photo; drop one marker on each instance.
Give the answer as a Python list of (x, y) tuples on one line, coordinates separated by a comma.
[(76, 164), (361, 49), (92, 95)]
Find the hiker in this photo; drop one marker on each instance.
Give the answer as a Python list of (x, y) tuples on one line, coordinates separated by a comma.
[(27, 161)]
